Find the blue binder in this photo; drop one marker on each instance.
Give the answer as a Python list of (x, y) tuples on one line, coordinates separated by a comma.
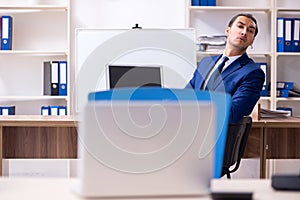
[(62, 110), (288, 31), (280, 34), (284, 85), (211, 2), (8, 110), (203, 2), (195, 2), (296, 35), (282, 93), (6, 40), (264, 67), (45, 110), (63, 78), (53, 110)]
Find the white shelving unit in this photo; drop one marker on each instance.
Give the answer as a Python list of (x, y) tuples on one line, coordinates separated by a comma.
[(287, 63), (40, 32), (43, 29), (212, 20)]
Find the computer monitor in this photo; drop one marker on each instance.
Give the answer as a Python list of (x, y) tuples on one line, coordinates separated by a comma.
[(120, 76), (146, 149)]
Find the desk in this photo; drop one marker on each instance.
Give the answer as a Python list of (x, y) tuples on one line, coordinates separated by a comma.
[(56, 137), (255, 145), (37, 137), (59, 188), (275, 138), (282, 138)]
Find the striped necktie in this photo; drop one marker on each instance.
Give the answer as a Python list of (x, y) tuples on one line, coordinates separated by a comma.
[(216, 74)]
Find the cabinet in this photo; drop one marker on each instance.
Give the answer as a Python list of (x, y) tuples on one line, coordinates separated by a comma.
[(212, 20), (40, 32)]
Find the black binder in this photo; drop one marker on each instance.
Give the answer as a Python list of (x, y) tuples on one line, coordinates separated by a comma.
[(51, 78)]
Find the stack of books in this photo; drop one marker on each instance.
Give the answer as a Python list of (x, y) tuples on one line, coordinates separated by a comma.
[(266, 113)]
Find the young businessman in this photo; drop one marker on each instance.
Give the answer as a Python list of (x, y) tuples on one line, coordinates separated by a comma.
[(240, 76)]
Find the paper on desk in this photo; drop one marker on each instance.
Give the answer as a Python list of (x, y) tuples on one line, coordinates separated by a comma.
[(266, 113)]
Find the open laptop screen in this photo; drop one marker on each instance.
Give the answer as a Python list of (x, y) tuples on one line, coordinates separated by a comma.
[(134, 76)]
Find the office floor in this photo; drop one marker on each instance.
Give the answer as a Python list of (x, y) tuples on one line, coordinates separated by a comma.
[(249, 168)]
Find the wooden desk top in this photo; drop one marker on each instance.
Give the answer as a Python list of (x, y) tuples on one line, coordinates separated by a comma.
[(289, 122), (258, 123), (72, 121), (38, 120)]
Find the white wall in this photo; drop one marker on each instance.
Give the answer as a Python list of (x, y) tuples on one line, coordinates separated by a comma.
[(126, 13)]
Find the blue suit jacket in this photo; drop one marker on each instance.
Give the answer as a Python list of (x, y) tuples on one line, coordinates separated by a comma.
[(243, 80)]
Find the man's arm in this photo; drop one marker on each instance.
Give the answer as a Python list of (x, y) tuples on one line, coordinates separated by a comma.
[(246, 95)]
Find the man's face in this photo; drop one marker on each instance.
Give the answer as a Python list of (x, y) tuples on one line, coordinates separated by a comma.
[(241, 34)]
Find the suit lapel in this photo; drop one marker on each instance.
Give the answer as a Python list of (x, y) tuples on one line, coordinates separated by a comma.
[(236, 65), (209, 65)]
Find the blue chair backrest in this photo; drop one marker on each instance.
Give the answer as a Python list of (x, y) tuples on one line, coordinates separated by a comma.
[(222, 103)]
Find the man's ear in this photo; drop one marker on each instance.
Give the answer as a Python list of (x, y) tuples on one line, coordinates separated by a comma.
[(227, 31), (252, 41)]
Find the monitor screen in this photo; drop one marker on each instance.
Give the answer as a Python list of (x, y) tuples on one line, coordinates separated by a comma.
[(134, 76)]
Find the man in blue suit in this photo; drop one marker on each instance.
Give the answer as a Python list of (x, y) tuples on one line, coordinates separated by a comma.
[(240, 76)]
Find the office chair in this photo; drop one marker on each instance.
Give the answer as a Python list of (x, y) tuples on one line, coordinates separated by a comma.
[(237, 136)]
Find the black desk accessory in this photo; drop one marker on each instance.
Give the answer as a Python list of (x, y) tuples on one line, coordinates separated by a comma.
[(286, 182), (231, 195)]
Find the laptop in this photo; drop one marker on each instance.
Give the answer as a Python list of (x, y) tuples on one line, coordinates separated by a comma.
[(120, 76), (146, 149)]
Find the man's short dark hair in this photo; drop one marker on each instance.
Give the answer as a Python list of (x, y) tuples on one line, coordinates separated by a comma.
[(244, 15)]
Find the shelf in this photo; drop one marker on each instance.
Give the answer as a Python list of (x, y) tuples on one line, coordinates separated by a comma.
[(40, 32), (288, 99), (265, 98), (39, 120), (31, 98), (228, 8), (33, 52), (282, 9), (288, 53), (32, 7), (204, 53)]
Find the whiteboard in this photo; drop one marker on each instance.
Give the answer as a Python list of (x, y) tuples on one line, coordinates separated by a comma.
[(174, 50)]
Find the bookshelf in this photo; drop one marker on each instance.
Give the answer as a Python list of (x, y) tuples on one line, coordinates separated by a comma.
[(40, 32), (212, 20), (43, 30), (287, 63)]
